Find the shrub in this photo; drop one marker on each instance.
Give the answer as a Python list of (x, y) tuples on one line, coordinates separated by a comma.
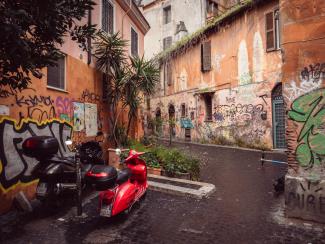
[(172, 160)]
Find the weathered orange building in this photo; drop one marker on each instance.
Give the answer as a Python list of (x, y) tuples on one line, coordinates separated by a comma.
[(222, 84), (68, 101), (303, 43)]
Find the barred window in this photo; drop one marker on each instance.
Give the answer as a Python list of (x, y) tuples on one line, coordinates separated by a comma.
[(107, 17), (134, 42)]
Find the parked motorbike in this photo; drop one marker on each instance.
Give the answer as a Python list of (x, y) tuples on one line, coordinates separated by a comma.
[(119, 190), (57, 175)]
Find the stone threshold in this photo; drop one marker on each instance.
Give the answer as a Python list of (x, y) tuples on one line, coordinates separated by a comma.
[(190, 188)]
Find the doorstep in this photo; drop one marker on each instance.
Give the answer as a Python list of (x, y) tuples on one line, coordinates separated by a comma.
[(181, 187)]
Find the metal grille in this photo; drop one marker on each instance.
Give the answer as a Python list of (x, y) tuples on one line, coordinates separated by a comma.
[(134, 42), (107, 17), (279, 117)]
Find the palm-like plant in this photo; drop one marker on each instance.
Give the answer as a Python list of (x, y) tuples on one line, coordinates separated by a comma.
[(127, 80), (112, 60), (143, 77)]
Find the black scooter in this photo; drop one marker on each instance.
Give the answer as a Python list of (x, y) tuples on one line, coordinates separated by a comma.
[(57, 175)]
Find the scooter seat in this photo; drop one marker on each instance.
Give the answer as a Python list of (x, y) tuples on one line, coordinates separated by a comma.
[(123, 176)]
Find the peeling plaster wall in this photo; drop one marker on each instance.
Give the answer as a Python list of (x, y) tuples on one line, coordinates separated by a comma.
[(240, 79), (304, 92), (192, 12)]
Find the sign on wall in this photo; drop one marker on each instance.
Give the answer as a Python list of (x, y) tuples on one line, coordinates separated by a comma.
[(91, 119), (78, 116)]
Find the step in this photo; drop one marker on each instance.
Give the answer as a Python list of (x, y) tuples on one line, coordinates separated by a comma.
[(181, 187)]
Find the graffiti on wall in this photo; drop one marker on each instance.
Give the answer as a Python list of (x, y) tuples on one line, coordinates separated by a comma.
[(306, 197), (309, 112), (311, 78), (15, 166), (36, 107), (64, 108), (237, 113)]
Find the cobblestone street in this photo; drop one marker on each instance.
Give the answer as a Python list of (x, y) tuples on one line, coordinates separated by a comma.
[(242, 210)]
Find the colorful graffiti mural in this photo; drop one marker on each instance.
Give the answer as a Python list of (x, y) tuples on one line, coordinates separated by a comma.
[(309, 112), (15, 166)]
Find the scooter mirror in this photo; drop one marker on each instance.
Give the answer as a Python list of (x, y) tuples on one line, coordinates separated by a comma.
[(118, 151)]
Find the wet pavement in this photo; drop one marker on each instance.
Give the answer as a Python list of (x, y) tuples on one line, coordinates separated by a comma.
[(243, 209)]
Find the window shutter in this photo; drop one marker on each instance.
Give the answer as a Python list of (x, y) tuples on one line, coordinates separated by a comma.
[(206, 56), (168, 74), (270, 31), (167, 42)]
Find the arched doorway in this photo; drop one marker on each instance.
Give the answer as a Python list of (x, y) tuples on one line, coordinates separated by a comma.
[(171, 118), (278, 117)]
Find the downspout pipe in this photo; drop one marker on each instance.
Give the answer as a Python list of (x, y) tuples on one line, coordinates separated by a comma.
[(89, 39)]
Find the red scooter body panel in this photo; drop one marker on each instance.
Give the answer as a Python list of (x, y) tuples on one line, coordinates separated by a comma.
[(125, 195), (124, 198)]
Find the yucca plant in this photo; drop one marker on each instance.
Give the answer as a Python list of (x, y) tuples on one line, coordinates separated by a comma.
[(112, 61), (142, 80), (128, 78)]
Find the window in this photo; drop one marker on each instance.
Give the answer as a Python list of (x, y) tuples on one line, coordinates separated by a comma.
[(272, 24), (167, 42), (168, 74), (56, 75), (208, 107), (212, 8), (107, 17), (183, 110), (206, 56), (134, 42), (167, 14)]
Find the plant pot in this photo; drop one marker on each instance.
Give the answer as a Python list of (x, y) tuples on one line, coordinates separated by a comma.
[(154, 171)]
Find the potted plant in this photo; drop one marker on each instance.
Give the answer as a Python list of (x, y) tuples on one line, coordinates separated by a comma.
[(153, 165)]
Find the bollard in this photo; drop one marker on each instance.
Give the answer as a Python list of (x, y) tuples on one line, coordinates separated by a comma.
[(78, 184)]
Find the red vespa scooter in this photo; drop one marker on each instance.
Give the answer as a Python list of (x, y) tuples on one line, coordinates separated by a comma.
[(119, 190)]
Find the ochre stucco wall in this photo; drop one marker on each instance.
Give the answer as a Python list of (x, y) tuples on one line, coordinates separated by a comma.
[(242, 77), (40, 105), (39, 110)]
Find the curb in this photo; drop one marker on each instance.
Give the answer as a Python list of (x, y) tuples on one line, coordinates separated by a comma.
[(205, 189), (223, 146)]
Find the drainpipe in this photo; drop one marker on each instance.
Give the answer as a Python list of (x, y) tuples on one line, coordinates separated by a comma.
[(130, 5), (89, 39)]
